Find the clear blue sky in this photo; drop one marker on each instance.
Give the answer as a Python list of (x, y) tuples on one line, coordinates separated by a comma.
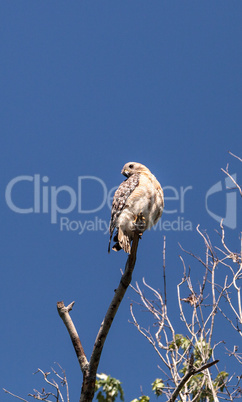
[(87, 86)]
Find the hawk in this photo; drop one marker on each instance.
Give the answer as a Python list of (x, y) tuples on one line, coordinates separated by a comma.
[(139, 195)]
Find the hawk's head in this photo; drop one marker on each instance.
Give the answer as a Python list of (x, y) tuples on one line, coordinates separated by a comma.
[(133, 167)]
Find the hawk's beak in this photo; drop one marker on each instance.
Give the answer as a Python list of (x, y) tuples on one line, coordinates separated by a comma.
[(125, 172)]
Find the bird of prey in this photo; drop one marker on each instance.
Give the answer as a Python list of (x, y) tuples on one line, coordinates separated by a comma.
[(139, 195)]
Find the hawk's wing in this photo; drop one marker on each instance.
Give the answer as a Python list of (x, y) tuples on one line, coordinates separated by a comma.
[(119, 200)]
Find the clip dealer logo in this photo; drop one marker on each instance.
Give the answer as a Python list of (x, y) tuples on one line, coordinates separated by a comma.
[(35, 195), (48, 199), (230, 218)]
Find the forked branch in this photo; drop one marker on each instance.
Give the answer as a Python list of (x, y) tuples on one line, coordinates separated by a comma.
[(89, 369)]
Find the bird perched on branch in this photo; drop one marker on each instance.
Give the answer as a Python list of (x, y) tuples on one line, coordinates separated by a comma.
[(138, 199)]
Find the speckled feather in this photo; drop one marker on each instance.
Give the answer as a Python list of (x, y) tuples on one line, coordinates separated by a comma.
[(120, 197)]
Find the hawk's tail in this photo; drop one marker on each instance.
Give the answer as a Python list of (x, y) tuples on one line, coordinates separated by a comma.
[(124, 241)]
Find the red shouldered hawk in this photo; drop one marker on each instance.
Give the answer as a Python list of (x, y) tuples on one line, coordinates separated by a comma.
[(140, 193)]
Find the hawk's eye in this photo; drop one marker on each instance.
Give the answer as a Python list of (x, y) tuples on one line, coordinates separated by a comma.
[(131, 166)]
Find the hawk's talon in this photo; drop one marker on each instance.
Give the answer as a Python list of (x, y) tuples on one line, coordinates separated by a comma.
[(138, 217), (139, 223)]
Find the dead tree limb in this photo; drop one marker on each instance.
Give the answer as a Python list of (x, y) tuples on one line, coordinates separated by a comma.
[(65, 316), (89, 369)]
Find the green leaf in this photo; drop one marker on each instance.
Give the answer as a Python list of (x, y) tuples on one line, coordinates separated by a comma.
[(111, 388), (157, 386), (220, 380), (180, 341), (142, 398)]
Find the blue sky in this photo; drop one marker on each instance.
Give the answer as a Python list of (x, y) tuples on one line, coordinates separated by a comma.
[(87, 86)]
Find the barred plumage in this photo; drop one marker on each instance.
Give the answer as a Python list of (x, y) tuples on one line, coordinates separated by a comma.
[(139, 193)]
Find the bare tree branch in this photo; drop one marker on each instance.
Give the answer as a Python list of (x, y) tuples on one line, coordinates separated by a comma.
[(231, 178), (89, 369), (90, 376), (44, 395), (114, 305), (15, 396), (235, 156), (174, 349), (65, 316), (164, 268)]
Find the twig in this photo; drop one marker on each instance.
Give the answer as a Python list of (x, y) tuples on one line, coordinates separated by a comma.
[(235, 156), (15, 396), (164, 268), (232, 179), (63, 380), (147, 336)]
